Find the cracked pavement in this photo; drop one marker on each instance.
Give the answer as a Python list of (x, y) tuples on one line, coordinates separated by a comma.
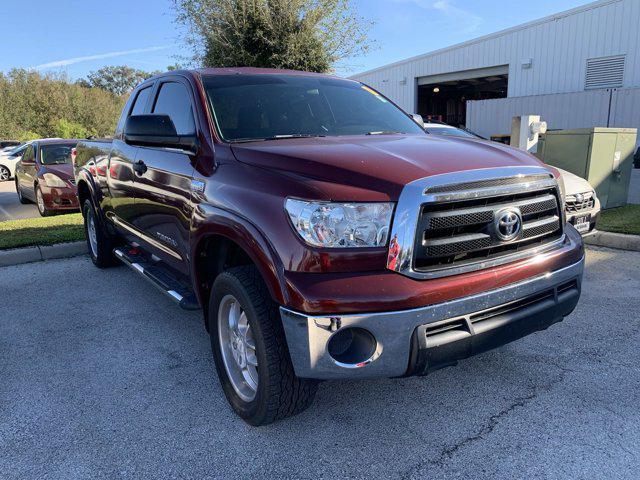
[(103, 377)]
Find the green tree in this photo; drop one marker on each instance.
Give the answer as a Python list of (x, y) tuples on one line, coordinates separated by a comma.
[(33, 105), (118, 80), (66, 129), (309, 35)]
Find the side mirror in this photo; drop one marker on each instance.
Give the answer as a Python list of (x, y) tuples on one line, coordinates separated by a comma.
[(156, 131), (418, 119)]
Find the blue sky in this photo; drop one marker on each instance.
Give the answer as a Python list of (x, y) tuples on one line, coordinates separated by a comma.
[(77, 36)]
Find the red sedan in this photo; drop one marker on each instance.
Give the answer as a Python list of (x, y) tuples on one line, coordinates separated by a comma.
[(44, 175)]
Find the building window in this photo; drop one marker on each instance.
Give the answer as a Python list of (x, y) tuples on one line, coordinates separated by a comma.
[(605, 72)]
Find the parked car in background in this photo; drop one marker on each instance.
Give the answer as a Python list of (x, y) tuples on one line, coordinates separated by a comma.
[(44, 175), (324, 234), (581, 203), (439, 128), (9, 158), (4, 144)]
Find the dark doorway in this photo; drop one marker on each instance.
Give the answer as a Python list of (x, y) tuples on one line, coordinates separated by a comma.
[(446, 101)]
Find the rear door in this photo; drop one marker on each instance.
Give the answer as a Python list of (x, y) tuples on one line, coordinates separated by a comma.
[(120, 173), (27, 174), (163, 192)]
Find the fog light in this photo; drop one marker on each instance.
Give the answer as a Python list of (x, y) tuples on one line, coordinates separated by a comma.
[(352, 347)]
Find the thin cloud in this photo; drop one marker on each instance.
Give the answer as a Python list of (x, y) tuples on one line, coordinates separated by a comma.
[(100, 56), (465, 20), (470, 20)]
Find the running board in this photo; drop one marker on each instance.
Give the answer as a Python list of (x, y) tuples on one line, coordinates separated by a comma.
[(160, 277)]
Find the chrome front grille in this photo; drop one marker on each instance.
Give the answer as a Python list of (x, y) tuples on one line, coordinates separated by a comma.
[(579, 202), (450, 224), (452, 233), (492, 182)]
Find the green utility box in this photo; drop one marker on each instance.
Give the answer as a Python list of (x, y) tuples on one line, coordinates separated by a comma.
[(602, 156)]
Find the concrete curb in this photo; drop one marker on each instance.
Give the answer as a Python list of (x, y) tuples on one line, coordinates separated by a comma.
[(18, 256), (620, 241)]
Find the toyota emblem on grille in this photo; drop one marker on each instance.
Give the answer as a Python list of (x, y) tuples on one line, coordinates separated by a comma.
[(508, 224), (579, 198)]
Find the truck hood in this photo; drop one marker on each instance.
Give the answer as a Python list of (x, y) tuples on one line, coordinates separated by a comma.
[(383, 163)]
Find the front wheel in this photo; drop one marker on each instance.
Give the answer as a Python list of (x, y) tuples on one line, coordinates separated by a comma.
[(250, 350), (5, 174), (42, 208)]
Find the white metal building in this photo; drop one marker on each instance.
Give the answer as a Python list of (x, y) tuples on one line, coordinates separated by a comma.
[(578, 68)]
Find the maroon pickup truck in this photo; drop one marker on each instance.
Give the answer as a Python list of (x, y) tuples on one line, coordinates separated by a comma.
[(322, 232)]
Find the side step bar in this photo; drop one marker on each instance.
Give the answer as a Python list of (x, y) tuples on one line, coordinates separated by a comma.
[(159, 276)]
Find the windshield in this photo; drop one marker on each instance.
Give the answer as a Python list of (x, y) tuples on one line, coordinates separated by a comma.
[(257, 107), (56, 154), (18, 151), (450, 132)]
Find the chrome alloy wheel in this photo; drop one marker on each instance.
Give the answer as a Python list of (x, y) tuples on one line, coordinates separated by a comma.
[(40, 201), (5, 174), (91, 233), (238, 348)]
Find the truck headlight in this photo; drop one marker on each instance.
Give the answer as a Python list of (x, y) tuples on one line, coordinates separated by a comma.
[(53, 180), (341, 225)]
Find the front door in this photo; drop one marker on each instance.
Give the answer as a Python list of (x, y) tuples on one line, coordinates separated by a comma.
[(120, 173), (163, 204)]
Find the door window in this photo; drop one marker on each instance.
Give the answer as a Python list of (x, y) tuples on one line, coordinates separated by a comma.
[(28, 156), (141, 101), (174, 100)]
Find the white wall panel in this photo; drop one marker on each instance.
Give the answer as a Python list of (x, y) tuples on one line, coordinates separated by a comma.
[(560, 111)]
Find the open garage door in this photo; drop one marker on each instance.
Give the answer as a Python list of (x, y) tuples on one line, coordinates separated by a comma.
[(443, 97)]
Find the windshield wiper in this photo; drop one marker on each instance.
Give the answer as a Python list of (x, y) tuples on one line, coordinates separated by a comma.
[(276, 137), (382, 132), (294, 135)]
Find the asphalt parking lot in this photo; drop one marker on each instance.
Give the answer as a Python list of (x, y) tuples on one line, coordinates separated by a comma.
[(10, 206), (102, 377)]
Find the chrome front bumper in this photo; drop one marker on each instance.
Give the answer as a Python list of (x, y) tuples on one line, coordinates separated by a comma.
[(308, 336)]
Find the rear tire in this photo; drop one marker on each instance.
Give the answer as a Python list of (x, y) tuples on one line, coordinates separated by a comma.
[(99, 243), (275, 393), (5, 174), (21, 198)]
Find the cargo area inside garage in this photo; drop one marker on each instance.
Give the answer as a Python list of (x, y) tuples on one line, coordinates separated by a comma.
[(443, 98)]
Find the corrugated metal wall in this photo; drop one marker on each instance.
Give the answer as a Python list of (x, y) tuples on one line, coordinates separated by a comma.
[(560, 111), (559, 48)]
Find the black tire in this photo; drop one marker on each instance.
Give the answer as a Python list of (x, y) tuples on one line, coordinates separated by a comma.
[(42, 208), (102, 253), (21, 198), (280, 393)]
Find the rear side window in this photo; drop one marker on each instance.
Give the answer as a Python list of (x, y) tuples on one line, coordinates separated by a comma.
[(28, 155), (173, 100), (141, 101)]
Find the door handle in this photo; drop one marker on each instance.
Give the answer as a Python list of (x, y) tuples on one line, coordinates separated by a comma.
[(140, 167)]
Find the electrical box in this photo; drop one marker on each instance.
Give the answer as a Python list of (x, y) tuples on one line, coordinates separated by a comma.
[(602, 156), (525, 131)]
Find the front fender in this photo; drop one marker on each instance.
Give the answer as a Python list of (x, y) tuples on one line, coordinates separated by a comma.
[(209, 220)]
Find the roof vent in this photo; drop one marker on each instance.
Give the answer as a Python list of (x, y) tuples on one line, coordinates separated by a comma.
[(605, 72)]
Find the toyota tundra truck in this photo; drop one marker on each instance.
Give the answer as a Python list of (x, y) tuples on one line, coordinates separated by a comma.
[(322, 232)]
